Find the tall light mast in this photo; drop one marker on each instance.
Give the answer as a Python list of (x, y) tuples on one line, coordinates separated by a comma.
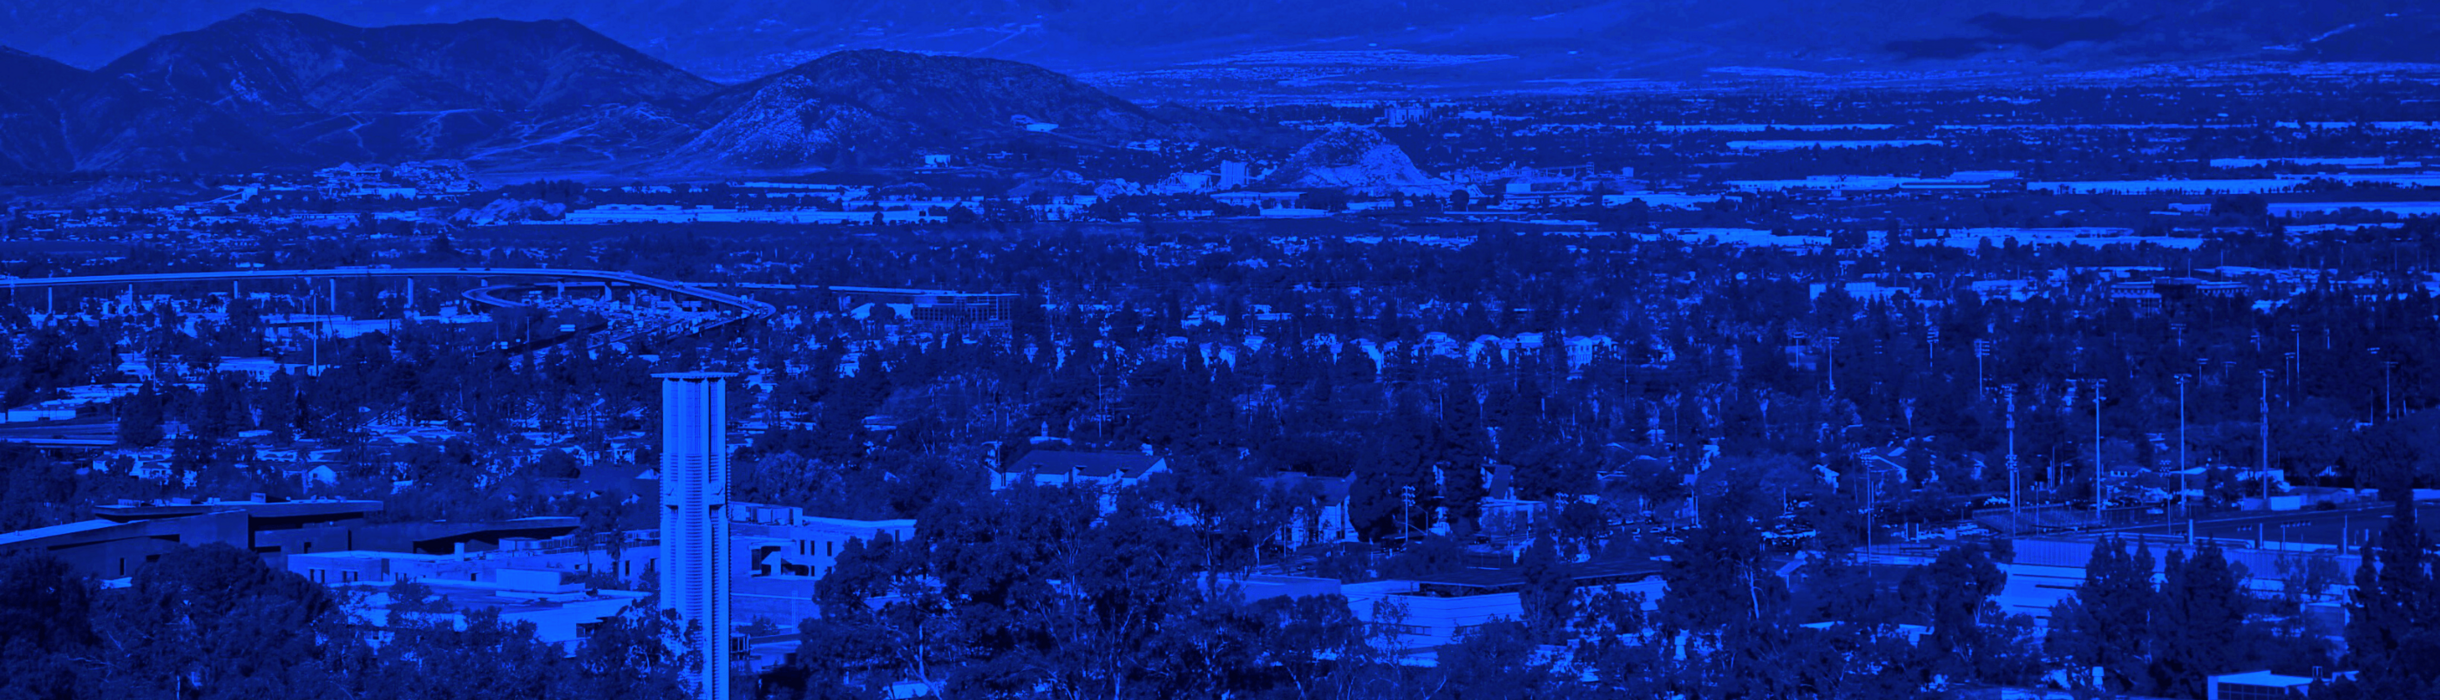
[(2015, 518), (2266, 440)]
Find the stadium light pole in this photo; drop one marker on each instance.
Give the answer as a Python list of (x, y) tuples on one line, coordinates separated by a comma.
[(2389, 406), (2266, 440), (1982, 348), (2181, 442), (2295, 368), (2296, 371), (2098, 500), (2376, 355), (2016, 520)]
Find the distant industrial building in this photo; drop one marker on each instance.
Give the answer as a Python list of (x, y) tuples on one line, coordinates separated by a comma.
[(2166, 293), (695, 518)]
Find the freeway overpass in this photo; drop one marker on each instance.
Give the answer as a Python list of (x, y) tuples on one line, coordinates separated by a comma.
[(748, 308)]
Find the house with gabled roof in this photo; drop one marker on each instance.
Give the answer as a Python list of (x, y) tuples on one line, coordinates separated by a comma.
[(1063, 467), (1107, 471)]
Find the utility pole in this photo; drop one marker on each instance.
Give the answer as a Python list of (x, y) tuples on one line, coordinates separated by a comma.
[(1830, 357), (1406, 515)]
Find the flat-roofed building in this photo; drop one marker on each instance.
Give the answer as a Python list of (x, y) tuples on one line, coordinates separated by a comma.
[(1430, 611), (780, 552), (122, 538), (2260, 685)]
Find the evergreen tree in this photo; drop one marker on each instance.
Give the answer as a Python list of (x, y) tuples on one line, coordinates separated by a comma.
[(215, 622), (140, 418), (2099, 635), (2393, 625), (46, 628), (2199, 629), (1957, 588), (1548, 595)]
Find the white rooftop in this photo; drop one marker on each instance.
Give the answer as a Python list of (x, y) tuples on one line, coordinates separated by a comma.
[(2263, 678)]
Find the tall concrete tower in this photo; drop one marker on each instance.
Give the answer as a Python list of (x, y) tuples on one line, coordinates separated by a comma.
[(694, 516)]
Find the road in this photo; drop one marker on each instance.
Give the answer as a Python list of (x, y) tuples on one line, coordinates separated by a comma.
[(749, 307)]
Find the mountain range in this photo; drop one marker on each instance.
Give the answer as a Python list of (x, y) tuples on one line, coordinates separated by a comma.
[(740, 40), (270, 89), (865, 83)]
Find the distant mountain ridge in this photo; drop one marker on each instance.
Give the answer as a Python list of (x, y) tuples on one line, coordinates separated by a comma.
[(272, 89), (839, 108), (30, 132), (268, 89), (740, 40), (278, 62)]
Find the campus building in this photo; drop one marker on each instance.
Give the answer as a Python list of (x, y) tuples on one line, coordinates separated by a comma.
[(122, 537)]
